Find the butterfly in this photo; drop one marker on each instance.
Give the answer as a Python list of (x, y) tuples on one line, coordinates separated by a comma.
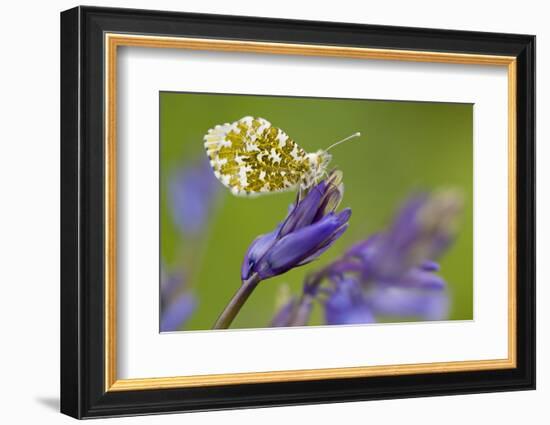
[(251, 157)]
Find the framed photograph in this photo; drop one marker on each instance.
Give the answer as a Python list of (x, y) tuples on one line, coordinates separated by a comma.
[(261, 212)]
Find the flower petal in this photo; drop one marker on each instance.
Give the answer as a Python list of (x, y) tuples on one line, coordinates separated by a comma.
[(410, 302), (347, 305), (325, 246), (304, 211), (355, 316), (289, 251), (257, 249), (343, 216), (419, 278), (331, 199), (430, 266)]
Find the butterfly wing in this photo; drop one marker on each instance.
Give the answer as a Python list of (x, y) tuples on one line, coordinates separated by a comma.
[(250, 156)]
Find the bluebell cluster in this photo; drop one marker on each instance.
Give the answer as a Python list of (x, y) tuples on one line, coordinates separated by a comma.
[(391, 274)]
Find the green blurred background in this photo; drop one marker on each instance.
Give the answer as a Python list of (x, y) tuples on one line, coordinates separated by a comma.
[(405, 146)]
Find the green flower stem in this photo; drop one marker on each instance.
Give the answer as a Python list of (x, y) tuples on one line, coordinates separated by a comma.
[(235, 304)]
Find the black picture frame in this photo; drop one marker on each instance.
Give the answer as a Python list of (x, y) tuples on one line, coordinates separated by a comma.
[(83, 392)]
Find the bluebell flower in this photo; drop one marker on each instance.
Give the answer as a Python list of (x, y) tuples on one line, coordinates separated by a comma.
[(310, 228), (192, 192), (177, 304), (397, 268), (422, 230), (392, 273)]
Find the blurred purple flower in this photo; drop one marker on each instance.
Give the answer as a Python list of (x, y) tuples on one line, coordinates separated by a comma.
[(284, 316), (395, 301), (310, 228), (177, 303), (420, 233), (396, 268), (192, 191), (347, 304), (392, 273)]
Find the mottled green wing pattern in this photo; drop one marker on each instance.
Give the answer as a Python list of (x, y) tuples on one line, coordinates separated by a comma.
[(250, 157)]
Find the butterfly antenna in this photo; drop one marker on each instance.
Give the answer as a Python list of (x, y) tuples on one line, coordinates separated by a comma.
[(353, 136)]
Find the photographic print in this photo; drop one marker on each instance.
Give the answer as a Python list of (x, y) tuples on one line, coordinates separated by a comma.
[(271, 215), (301, 211)]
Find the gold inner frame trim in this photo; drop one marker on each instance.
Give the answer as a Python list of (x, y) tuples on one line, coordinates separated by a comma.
[(113, 41)]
